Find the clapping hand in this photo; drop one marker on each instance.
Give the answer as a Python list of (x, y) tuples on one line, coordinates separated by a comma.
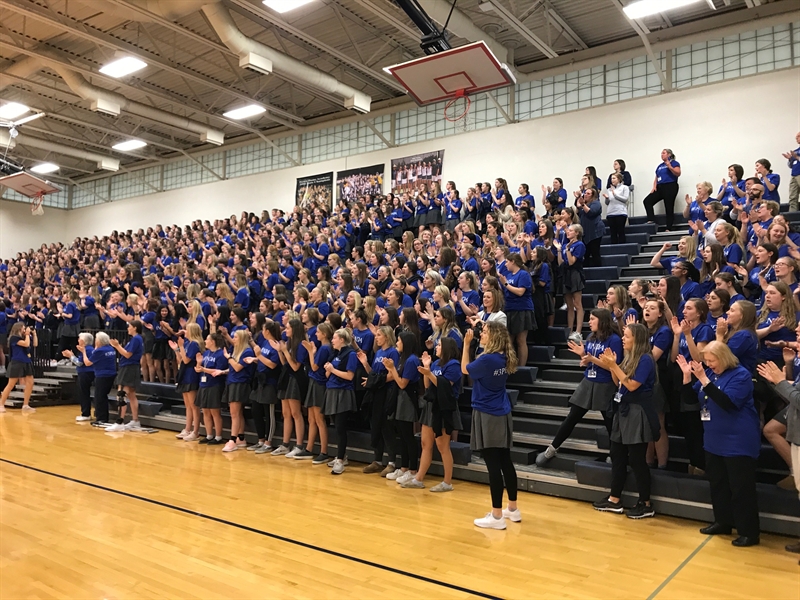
[(666, 246), (675, 325), (684, 364), (362, 357), (789, 354), (468, 336), (771, 372), (607, 359), (722, 327), (630, 320), (698, 371), (686, 329), (426, 359), (576, 348), (777, 324)]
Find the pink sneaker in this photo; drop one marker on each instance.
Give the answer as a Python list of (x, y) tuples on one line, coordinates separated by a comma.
[(230, 446)]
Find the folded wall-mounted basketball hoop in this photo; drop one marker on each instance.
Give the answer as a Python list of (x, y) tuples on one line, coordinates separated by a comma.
[(30, 186), (452, 74)]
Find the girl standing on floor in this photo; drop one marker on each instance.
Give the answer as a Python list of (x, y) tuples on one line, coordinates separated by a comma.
[(438, 419), (212, 369), (405, 373), (238, 386), (20, 368), (492, 425), (294, 357), (188, 379), (266, 393), (340, 398), (315, 399)]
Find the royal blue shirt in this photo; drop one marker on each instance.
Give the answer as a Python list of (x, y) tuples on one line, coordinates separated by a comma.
[(775, 180), (136, 347), (104, 361), (450, 371), (365, 340), (81, 366), (19, 353), (246, 373), (662, 339), (700, 334), (664, 175), (542, 274), (744, 346), (190, 376), (783, 334), (469, 265), (377, 362), (645, 374), (519, 279), (489, 377), (595, 347), (344, 360), (321, 356), (271, 354)]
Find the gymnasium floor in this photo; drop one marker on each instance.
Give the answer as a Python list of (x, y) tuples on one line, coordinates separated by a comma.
[(89, 514)]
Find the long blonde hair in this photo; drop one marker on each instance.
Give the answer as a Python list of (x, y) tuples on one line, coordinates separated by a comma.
[(370, 306), (500, 343), (691, 247), (224, 291), (195, 310), (641, 346), (241, 342), (195, 334)]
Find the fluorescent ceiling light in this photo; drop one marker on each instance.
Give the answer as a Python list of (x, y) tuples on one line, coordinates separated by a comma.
[(244, 112), (129, 145), (44, 168), (12, 110), (283, 6), (645, 8), (123, 66)]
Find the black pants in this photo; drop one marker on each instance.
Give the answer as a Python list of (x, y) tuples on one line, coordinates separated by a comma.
[(264, 418), (634, 455), (102, 388), (576, 413), (592, 258), (666, 192), (340, 421), (617, 225), (733, 492), (85, 390), (692, 428), (383, 434), (66, 343), (502, 474), (409, 450)]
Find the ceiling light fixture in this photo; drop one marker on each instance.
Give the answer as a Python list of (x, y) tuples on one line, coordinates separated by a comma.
[(645, 8), (129, 145), (283, 6), (245, 112), (12, 110), (123, 66), (44, 168)]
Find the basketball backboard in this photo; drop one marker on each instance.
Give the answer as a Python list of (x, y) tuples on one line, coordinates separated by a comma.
[(28, 185), (451, 74)]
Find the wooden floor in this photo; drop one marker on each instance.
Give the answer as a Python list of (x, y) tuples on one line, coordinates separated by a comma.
[(89, 514)]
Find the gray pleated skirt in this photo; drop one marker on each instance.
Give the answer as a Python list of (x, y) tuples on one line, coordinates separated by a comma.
[(339, 401), (660, 399), (573, 281), (316, 395), (18, 369), (69, 329), (519, 321), (406, 410), (632, 429), (593, 396), (209, 397), (182, 388), (265, 394), (129, 376), (292, 391), (426, 415), (491, 431), (236, 392)]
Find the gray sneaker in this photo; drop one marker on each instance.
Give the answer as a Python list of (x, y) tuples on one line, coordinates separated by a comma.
[(413, 483), (255, 447), (264, 449), (333, 460), (442, 487), (280, 451), (545, 457)]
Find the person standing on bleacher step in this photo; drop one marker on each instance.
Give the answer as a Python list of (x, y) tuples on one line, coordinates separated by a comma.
[(793, 160), (596, 390)]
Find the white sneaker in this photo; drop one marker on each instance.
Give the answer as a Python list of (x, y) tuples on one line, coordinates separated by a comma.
[(133, 426), (29, 409), (338, 467), (81, 419), (294, 452), (563, 306), (512, 515), (280, 451), (255, 447), (331, 463), (116, 427), (404, 477), (190, 437), (394, 474), (182, 434), (230, 446), (489, 522)]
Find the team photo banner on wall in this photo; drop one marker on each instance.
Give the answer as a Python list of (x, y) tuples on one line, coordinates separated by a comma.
[(316, 188), (408, 172), (356, 182)]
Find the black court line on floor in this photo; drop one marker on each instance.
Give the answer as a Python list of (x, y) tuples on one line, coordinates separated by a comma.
[(247, 528), (679, 568)]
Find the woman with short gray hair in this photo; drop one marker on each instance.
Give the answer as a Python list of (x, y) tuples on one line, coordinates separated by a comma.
[(85, 375)]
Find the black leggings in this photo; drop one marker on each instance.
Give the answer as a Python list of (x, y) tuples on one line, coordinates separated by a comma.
[(340, 420), (592, 258), (264, 416), (502, 474), (66, 343), (409, 450), (576, 413), (666, 192), (102, 388), (85, 389), (692, 428), (617, 225), (636, 455), (383, 435)]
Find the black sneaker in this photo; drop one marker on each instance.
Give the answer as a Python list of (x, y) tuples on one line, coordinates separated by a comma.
[(641, 511), (205, 440), (216, 442), (303, 455), (606, 505), (320, 459)]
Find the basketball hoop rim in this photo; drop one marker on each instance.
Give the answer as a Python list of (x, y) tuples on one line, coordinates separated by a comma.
[(452, 101)]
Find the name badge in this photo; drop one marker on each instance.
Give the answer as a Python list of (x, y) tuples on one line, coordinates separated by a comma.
[(203, 379), (704, 414), (618, 397), (591, 374), (659, 178)]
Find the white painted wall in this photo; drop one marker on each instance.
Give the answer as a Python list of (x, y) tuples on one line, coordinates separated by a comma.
[(707, 127), (20, 231)]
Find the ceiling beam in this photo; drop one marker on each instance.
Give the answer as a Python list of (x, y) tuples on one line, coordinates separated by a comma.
[(642, 32), (533, 39), (560, 22), (85, 32), (394, 21)]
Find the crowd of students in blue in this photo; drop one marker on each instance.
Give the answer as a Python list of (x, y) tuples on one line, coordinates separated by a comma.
[(380, 307)]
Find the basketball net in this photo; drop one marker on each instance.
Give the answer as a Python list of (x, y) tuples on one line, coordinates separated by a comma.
[(456, 110), (37, 210)]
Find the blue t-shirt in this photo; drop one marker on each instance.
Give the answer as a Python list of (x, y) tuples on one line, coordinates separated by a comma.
[(365, 340), (733, 253), (271, 354), (213, 360), (136, 347), (519, 279), (81, 366), (104, 361), (744, 346), (578, 251), (664, 175), (645, 374), (345, 359), (783, 334), (322, 355), (410, 371), (489, 376), (662, 339), (542, 275), (245, 374), (775, 180), (701, 333), (470, 265), (377, 364), (450, 371), (595, 347), (191, 349), (470, 297), (19, 353)]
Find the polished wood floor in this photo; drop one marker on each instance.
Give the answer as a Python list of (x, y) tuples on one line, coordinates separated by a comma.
[(89, 514)]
